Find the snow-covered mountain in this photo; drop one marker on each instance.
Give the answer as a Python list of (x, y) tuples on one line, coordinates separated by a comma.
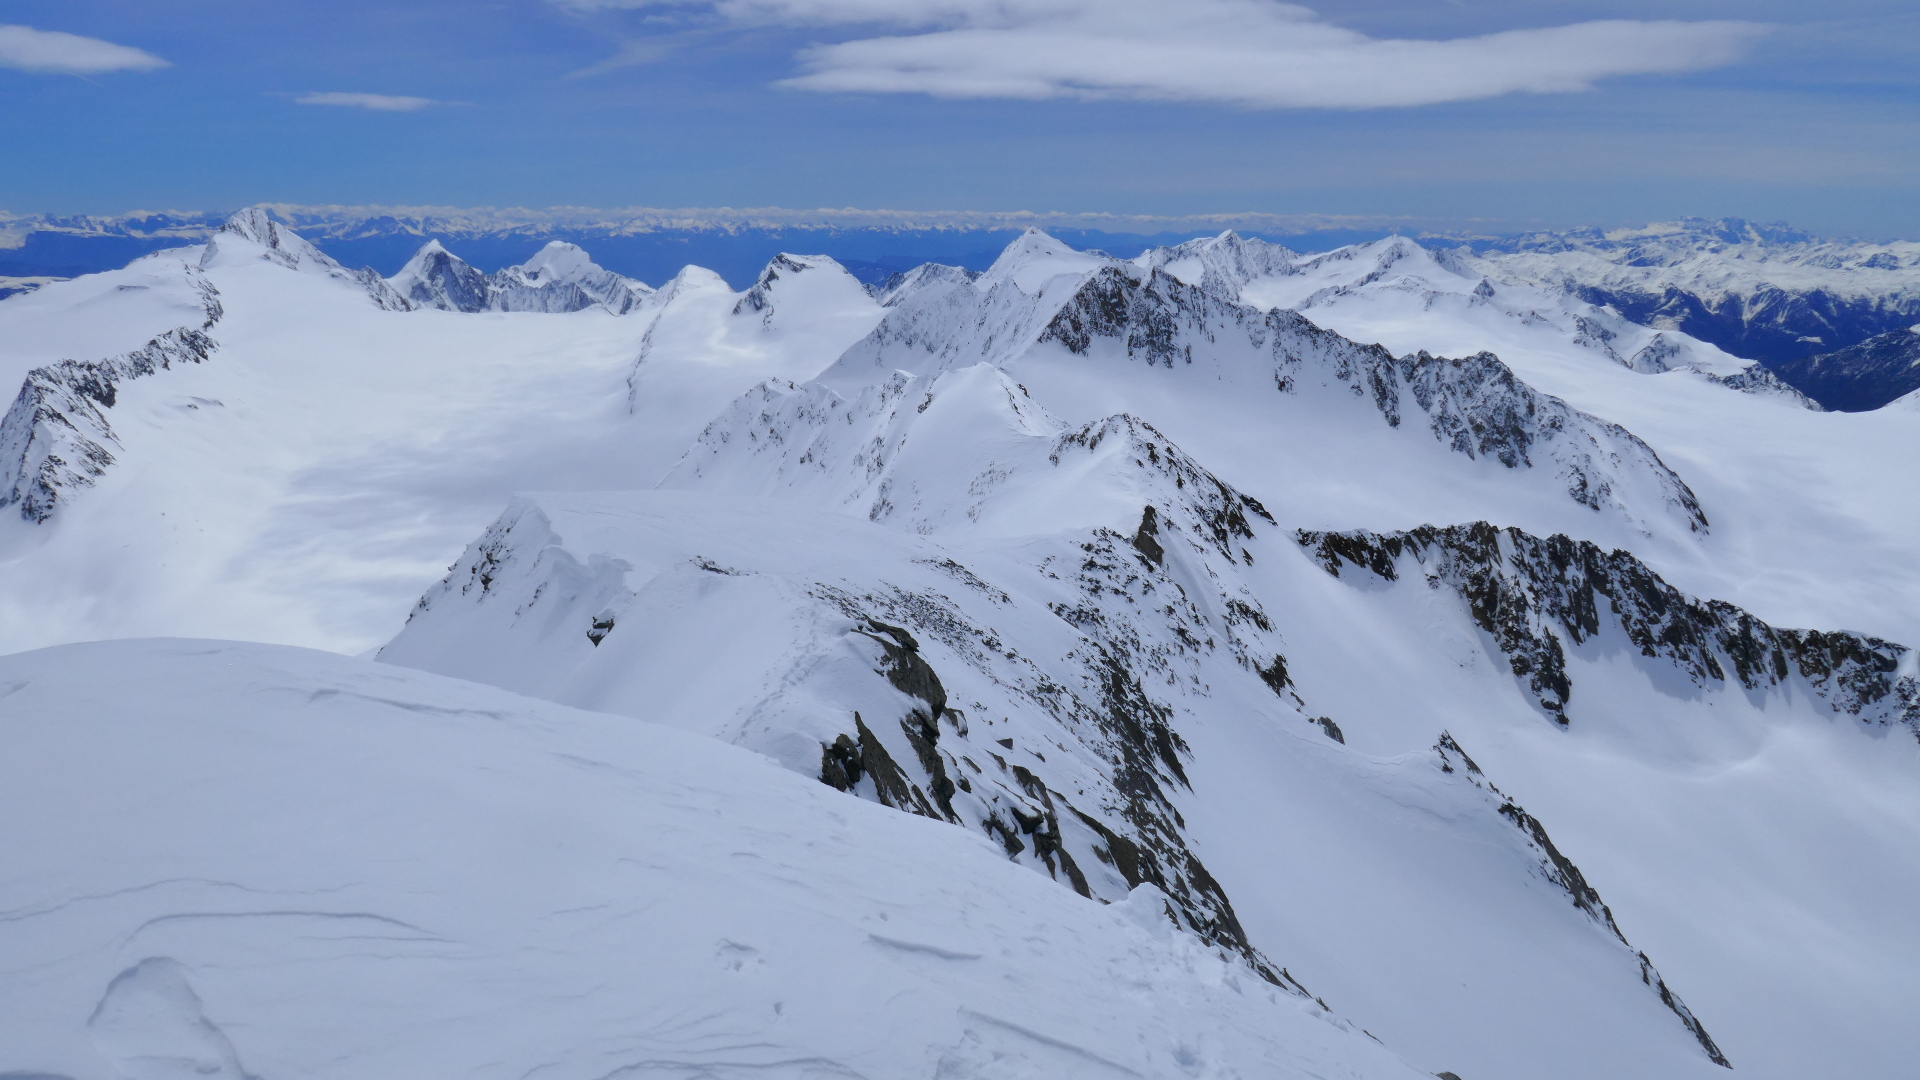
[(1392, 289), (1765, 292), (1862, 377), (1130, 668), (560, 277)]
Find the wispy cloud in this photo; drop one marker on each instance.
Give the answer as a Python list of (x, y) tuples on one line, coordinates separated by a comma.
[(376, 102), (1252, 53), (25, 49)]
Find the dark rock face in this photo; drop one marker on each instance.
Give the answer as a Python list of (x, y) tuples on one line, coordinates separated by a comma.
[(1139, 627), (1474, 405), (1773, 325), (1532, 594), (1560, 870), (1862, 377), (447, 281), (54, 440)]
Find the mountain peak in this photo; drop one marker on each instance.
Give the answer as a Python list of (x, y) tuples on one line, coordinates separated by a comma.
[(257, 225), (559, 261), (1035, 258)]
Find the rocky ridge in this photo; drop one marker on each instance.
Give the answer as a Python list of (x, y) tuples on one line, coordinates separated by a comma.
[(559, 278), (56, 437), (1560, 870), (1535, 596), (1473, 405)]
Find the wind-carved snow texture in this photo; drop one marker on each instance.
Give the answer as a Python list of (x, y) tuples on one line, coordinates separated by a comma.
[(559, 278), (151, 1027), (55, 439), (1474, 405), (1560, 870), (1531, 595)]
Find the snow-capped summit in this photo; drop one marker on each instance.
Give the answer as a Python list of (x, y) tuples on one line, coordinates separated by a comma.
[(254, 234), (1411, 298), (797, 284), (560, 277), (437, 278), (1034, 258), (1120, 640), (563, 277), (1233, 260)]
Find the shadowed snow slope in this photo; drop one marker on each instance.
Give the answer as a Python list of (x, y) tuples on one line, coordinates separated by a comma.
[(1110, 708), (272, 862), (321, 459), (1191, 607), (1747, 456)]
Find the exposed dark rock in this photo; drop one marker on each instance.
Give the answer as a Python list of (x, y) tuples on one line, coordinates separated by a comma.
[(55, 438), (1475, 405), (1560, 870), (1528, 593), (904, 667), (1326, 724), (1275, 675), (1146, 539), (602, 626)]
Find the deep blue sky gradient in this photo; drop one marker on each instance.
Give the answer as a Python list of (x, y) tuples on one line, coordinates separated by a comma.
[(1820, 126)]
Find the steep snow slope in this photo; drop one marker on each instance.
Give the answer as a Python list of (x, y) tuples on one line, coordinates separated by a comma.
[(968, 458), (1743, 828), (260, 861), (1037, 692), (1366, 437), (1781, 486), (307, 480), (1026, 558)]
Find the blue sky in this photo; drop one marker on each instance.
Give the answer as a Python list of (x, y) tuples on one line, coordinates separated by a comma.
[(1496, 114)]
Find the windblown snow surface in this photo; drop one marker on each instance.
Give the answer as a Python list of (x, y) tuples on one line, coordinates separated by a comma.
[(1087, 668)]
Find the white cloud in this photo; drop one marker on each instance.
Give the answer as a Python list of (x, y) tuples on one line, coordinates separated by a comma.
[(25, 49), (377, 102), (1254, 53)]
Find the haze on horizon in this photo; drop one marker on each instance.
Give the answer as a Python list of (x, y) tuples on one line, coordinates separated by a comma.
[(1487, 115)]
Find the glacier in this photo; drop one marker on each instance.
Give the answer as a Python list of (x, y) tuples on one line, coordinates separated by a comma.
[(1225, 662)]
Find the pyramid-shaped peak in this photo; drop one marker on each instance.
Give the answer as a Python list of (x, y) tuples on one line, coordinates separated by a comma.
[(254, 223), (560, 261), (431, 253), (1035, 258), (257, 225)]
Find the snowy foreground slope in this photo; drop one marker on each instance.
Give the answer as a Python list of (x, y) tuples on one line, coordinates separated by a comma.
[(1530, 691), (291, 864)]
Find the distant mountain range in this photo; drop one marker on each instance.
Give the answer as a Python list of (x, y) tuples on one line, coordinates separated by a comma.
[(1221, 662), (1770, 293)]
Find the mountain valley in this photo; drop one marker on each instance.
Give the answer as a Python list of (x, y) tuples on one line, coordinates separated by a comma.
[(1484, 660)]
